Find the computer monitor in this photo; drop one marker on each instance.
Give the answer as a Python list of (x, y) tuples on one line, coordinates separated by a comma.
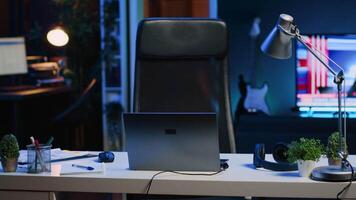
[(12, 56)]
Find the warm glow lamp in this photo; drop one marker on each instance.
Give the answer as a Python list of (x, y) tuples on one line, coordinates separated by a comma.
[(278, 44), (57, 37)]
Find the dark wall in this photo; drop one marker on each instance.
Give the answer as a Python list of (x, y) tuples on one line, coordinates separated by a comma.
[(12, 17), (31, 19), (312, 16)]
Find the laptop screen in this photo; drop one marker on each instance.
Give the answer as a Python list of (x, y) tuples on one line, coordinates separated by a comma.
[(172, 141)]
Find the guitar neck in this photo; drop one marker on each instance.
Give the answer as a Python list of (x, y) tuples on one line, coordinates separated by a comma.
[(254, 53)]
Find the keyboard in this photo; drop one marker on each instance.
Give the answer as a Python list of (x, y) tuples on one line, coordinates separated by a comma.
[(15, 88)]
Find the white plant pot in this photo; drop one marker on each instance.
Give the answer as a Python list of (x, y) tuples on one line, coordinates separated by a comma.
[(305, 167)]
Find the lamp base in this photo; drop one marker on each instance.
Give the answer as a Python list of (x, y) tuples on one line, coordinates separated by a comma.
[(332, 174)]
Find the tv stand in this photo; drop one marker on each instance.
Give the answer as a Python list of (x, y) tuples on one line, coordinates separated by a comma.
[(325, 112)]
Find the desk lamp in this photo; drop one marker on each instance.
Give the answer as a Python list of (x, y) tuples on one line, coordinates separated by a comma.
[(57, 37), (278, 44)]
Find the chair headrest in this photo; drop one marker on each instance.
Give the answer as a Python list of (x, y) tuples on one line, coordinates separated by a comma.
[(181, 37)]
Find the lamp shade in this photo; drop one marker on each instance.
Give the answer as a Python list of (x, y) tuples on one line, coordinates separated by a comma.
[(278, 43), (57, 37)]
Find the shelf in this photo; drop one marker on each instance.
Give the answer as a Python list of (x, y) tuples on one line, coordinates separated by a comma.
[(112, 68)]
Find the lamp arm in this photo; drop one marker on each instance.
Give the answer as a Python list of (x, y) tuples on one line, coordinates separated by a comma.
[(294, 32), (299, 38), (338, 79)]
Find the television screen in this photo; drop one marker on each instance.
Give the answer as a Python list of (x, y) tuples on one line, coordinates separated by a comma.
[(315, 84)]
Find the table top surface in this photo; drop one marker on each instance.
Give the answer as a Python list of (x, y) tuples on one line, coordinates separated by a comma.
[(240, 179)]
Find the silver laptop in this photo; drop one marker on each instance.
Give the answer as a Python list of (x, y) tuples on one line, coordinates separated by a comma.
[(172, 141)]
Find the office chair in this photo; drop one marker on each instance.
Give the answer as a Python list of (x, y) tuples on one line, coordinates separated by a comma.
[(74, 117), (181, 66)]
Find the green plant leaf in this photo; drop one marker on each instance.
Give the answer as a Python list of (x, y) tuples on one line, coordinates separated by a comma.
[(305, 149), (333, 146), (9, 147)]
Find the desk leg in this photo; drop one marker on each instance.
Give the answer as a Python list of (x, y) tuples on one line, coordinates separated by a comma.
[(118, 196), (52, 196)]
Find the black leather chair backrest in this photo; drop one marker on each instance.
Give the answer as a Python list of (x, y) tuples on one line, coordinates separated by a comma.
[(181, 66)]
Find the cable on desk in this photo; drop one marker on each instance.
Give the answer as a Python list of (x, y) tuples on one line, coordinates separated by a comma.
[(180, 173), (351, 179)]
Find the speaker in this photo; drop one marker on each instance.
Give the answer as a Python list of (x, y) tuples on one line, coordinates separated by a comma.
[(279, 155)]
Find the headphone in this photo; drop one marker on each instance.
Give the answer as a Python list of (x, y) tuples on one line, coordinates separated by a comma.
[(279, 155), (223, 164)]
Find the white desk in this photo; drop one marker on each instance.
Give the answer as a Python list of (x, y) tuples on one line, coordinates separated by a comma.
[(241, 179)]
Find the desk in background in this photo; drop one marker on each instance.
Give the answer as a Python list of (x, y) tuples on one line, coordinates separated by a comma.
[(240, 179), (33, 93), (14, 103)]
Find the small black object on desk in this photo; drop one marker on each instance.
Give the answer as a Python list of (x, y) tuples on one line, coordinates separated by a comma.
[(106, 156)]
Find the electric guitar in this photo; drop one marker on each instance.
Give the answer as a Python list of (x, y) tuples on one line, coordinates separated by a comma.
[(255, 100)]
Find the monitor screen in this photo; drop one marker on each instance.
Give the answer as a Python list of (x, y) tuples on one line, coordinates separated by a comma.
[(315, 84), (12, 56)]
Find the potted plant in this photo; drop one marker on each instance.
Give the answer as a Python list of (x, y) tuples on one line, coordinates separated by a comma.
[(332, 149), (306, 152), (9, 152), (69, 77)]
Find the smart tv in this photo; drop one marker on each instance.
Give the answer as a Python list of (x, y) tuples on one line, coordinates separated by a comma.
[(315, 87)]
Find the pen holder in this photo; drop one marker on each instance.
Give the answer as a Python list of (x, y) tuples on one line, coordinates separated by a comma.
[(38, 158)]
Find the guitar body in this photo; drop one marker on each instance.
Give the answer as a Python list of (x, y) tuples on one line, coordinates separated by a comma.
[(255, 99)]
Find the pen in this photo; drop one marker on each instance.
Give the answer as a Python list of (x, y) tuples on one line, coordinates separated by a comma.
[(34, 144), (83, 167), (50, 140), (32, 140), (38, 156)]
